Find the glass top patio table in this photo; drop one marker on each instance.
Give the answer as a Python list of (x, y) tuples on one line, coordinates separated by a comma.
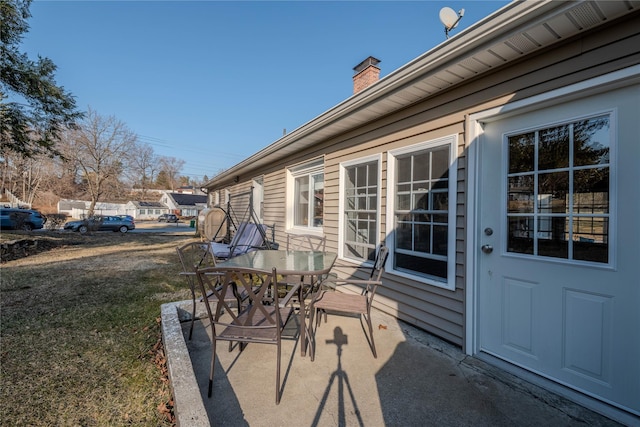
[(312, 263), (309, 266)]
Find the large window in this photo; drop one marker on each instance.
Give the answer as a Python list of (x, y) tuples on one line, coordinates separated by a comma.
[(360, 207), (307, 197), (424, 211), (558, 191)]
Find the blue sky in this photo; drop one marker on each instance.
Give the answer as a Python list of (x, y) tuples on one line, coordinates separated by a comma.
[(213, 82)]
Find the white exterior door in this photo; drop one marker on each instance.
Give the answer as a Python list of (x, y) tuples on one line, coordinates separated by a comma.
[(558, 244)]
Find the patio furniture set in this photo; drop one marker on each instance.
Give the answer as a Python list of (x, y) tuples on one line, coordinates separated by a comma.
[(249, 297)]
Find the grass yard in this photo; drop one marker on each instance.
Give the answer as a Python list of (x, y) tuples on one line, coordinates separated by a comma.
[(79, 327)]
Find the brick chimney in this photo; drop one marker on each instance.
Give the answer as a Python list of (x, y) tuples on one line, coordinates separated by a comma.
[(367, 73)]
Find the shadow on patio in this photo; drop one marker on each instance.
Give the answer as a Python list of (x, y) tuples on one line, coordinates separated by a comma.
[(417, 379)]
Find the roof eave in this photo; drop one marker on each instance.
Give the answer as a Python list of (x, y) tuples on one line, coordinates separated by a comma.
[(499, 26)]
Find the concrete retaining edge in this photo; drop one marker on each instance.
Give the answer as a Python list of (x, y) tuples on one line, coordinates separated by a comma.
[(188, 408)]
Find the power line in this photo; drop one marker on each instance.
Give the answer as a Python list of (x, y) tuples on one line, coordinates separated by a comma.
[(184, 147)]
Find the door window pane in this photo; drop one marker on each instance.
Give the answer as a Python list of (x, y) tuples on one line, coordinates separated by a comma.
[(553, 237), (591, 141), (521, 153), (521, 194), (591, 191), (520, 238), (553, 190), (591, 244), (553, 151), (565, 193)]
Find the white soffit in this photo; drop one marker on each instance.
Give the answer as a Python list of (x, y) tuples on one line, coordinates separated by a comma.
[(512, 32)]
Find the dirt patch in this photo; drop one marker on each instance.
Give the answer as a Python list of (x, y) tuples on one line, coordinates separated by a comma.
[(27, 245), (16, 249)]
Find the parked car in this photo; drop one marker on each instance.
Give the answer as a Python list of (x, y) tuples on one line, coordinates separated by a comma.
[(21, 219), (168, 218), (101, 223)]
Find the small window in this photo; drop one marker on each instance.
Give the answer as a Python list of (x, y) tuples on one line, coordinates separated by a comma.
[(258, 197), (214, 198), (360, 204), (307, 196)]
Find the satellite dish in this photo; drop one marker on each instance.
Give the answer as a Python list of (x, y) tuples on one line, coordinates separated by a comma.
[(450, 19)]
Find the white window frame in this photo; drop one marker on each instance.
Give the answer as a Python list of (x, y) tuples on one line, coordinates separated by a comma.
[(451, 141), (341, 203), (226, 196), (214, 198), (313, 167), (258, 196)]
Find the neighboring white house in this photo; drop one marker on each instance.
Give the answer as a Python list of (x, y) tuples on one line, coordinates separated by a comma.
[(137, 209), (67, 207), (184, 204), (79, 208), (146, 210), (189, 189)]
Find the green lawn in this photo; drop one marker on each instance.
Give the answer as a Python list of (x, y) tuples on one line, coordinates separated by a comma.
[(80, 330)]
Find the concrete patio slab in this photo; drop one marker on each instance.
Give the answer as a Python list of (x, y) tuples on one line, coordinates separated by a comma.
[(417, 380)]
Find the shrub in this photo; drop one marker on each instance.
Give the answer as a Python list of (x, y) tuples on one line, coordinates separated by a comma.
[(55, 221)]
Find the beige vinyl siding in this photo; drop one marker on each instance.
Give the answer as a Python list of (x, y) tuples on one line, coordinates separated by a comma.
[(239, 202), (275, 203), (331, 191)]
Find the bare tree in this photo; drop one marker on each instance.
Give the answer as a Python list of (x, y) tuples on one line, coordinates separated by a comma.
[(171, 167), (99, 148), (32, 175), (142, 167), (22, 176), (63, 178)]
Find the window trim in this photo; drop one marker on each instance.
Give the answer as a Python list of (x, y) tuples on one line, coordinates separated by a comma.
[(257, 186), (342, 171), (214, 198), (308, 168), (450, 141)]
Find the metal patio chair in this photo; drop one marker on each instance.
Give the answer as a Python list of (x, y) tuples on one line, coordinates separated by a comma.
[(327, 300), (261, 321), (193, 256), (305, 242)]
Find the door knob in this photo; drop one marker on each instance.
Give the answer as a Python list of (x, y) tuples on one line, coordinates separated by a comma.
[(487, 249)]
